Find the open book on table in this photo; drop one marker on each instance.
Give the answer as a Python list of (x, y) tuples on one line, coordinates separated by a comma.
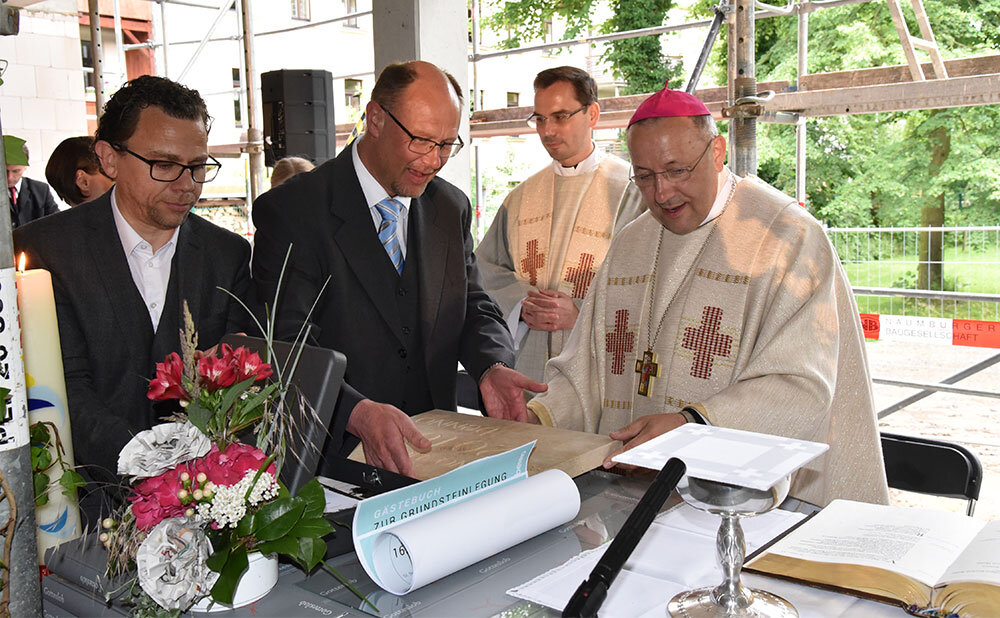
[(917, 558)]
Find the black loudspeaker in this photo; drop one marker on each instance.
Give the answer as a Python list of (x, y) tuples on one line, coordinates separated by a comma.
[(298, 115)]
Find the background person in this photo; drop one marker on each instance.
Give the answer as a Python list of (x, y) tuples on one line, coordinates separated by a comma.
[(74, 171)]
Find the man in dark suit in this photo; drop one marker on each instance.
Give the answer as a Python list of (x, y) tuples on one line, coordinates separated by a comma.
[(29, 199), (123, 265), (383, 248)]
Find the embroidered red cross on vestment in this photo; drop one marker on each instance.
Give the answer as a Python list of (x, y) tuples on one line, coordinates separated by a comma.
[(533, 262), (620, 342), (706, 341), (581, 276)]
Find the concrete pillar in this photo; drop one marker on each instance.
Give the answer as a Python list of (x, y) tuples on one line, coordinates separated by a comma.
[(436, 32)]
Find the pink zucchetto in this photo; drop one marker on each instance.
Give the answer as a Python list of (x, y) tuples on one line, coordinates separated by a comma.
[(669, 103)]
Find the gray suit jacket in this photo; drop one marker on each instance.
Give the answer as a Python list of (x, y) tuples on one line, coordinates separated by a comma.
[(108, 345), (323, 215)]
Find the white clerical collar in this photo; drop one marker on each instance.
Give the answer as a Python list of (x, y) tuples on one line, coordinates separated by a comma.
[(374, 192), (586, 166), (126, 233), (727, 181)]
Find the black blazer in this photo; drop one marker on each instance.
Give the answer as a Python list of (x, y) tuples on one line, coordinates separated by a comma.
[(34, 201), (324, 216), (108, 346)]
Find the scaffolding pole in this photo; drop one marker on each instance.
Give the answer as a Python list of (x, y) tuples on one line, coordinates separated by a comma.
[(800, 126), (255, 138), (97, 55), (22, 593), (743, 128)]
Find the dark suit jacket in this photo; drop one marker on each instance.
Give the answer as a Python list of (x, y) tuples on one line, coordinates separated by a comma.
[(108, 346), (324, 216), (34, 201)]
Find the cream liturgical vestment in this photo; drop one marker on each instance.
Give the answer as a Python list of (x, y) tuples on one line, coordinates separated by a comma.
[(749, 319), (552, 232)]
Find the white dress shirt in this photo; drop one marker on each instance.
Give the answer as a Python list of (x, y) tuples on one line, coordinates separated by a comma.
[(150, 270), (375, 193)]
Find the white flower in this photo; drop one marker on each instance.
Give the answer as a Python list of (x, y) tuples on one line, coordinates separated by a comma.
[(154, 451), (171, 564), (228, 505)]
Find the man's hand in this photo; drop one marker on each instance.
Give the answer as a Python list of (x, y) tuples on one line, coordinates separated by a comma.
[(549, 310), (384, 431), (642, 430), (503, 389)]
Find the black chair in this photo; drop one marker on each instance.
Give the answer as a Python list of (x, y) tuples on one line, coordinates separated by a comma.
[(318, 378), (935, 467)]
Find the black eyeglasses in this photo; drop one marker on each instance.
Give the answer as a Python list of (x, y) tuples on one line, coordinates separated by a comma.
[(675, 175), (424, 145), (169, 171), (557, 118)]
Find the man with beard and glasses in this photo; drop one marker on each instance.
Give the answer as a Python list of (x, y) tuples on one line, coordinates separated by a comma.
[(124, 264), (391, 243)]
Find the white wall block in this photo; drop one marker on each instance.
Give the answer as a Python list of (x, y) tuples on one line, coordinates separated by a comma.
[(19, 81), (10, 111), (39, 114), (70, 117), (66, 53), (52, 83), (33, 50)]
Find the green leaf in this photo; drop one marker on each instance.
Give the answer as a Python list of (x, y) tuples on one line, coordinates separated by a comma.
[(255, 401), (41, 459), (275, 519), (234, 392), (312, 493), (41, 482), (218, 560), (287, 545), (245, 526), (71, 481), (38, 433), (316, 527), (198, 416), (311, 552), (224, 588)]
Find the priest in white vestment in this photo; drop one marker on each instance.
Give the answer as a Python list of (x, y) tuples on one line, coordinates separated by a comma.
[(724, 303), (551, 234)]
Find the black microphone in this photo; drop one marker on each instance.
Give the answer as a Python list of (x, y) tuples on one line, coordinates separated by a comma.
[(591, 594)]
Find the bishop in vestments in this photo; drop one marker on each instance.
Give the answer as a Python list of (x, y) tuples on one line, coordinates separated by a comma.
[(724, 303)]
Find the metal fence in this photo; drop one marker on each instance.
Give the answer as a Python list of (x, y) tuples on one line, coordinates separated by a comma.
[(948, 272)]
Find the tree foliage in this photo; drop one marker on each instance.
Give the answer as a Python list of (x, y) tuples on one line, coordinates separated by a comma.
[(639, 62), (880, 169)]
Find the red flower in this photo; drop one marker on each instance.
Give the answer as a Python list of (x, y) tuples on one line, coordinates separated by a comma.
[(216, 372), (167, 383), (155, 499), (249, 364), (229, 467)]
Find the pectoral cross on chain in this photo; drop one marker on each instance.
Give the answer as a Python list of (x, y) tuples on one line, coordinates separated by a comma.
[(647, 368)]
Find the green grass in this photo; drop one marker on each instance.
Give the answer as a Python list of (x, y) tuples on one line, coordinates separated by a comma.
[(963, 269)]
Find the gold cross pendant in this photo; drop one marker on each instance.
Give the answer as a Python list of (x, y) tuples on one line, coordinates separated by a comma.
[(647, 368)]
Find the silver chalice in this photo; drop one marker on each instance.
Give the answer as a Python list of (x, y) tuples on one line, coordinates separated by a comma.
[(730, 598)]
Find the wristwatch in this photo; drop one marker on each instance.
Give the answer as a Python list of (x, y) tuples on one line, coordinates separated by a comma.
[(691, 415)]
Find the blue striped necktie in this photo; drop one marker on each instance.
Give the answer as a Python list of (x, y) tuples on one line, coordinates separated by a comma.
[(390, 209)]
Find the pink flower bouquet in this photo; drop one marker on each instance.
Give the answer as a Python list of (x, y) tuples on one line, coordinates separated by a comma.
[(194, 474)]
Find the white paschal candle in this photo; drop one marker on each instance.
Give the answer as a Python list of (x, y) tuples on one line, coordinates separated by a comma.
[(59, 519)]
